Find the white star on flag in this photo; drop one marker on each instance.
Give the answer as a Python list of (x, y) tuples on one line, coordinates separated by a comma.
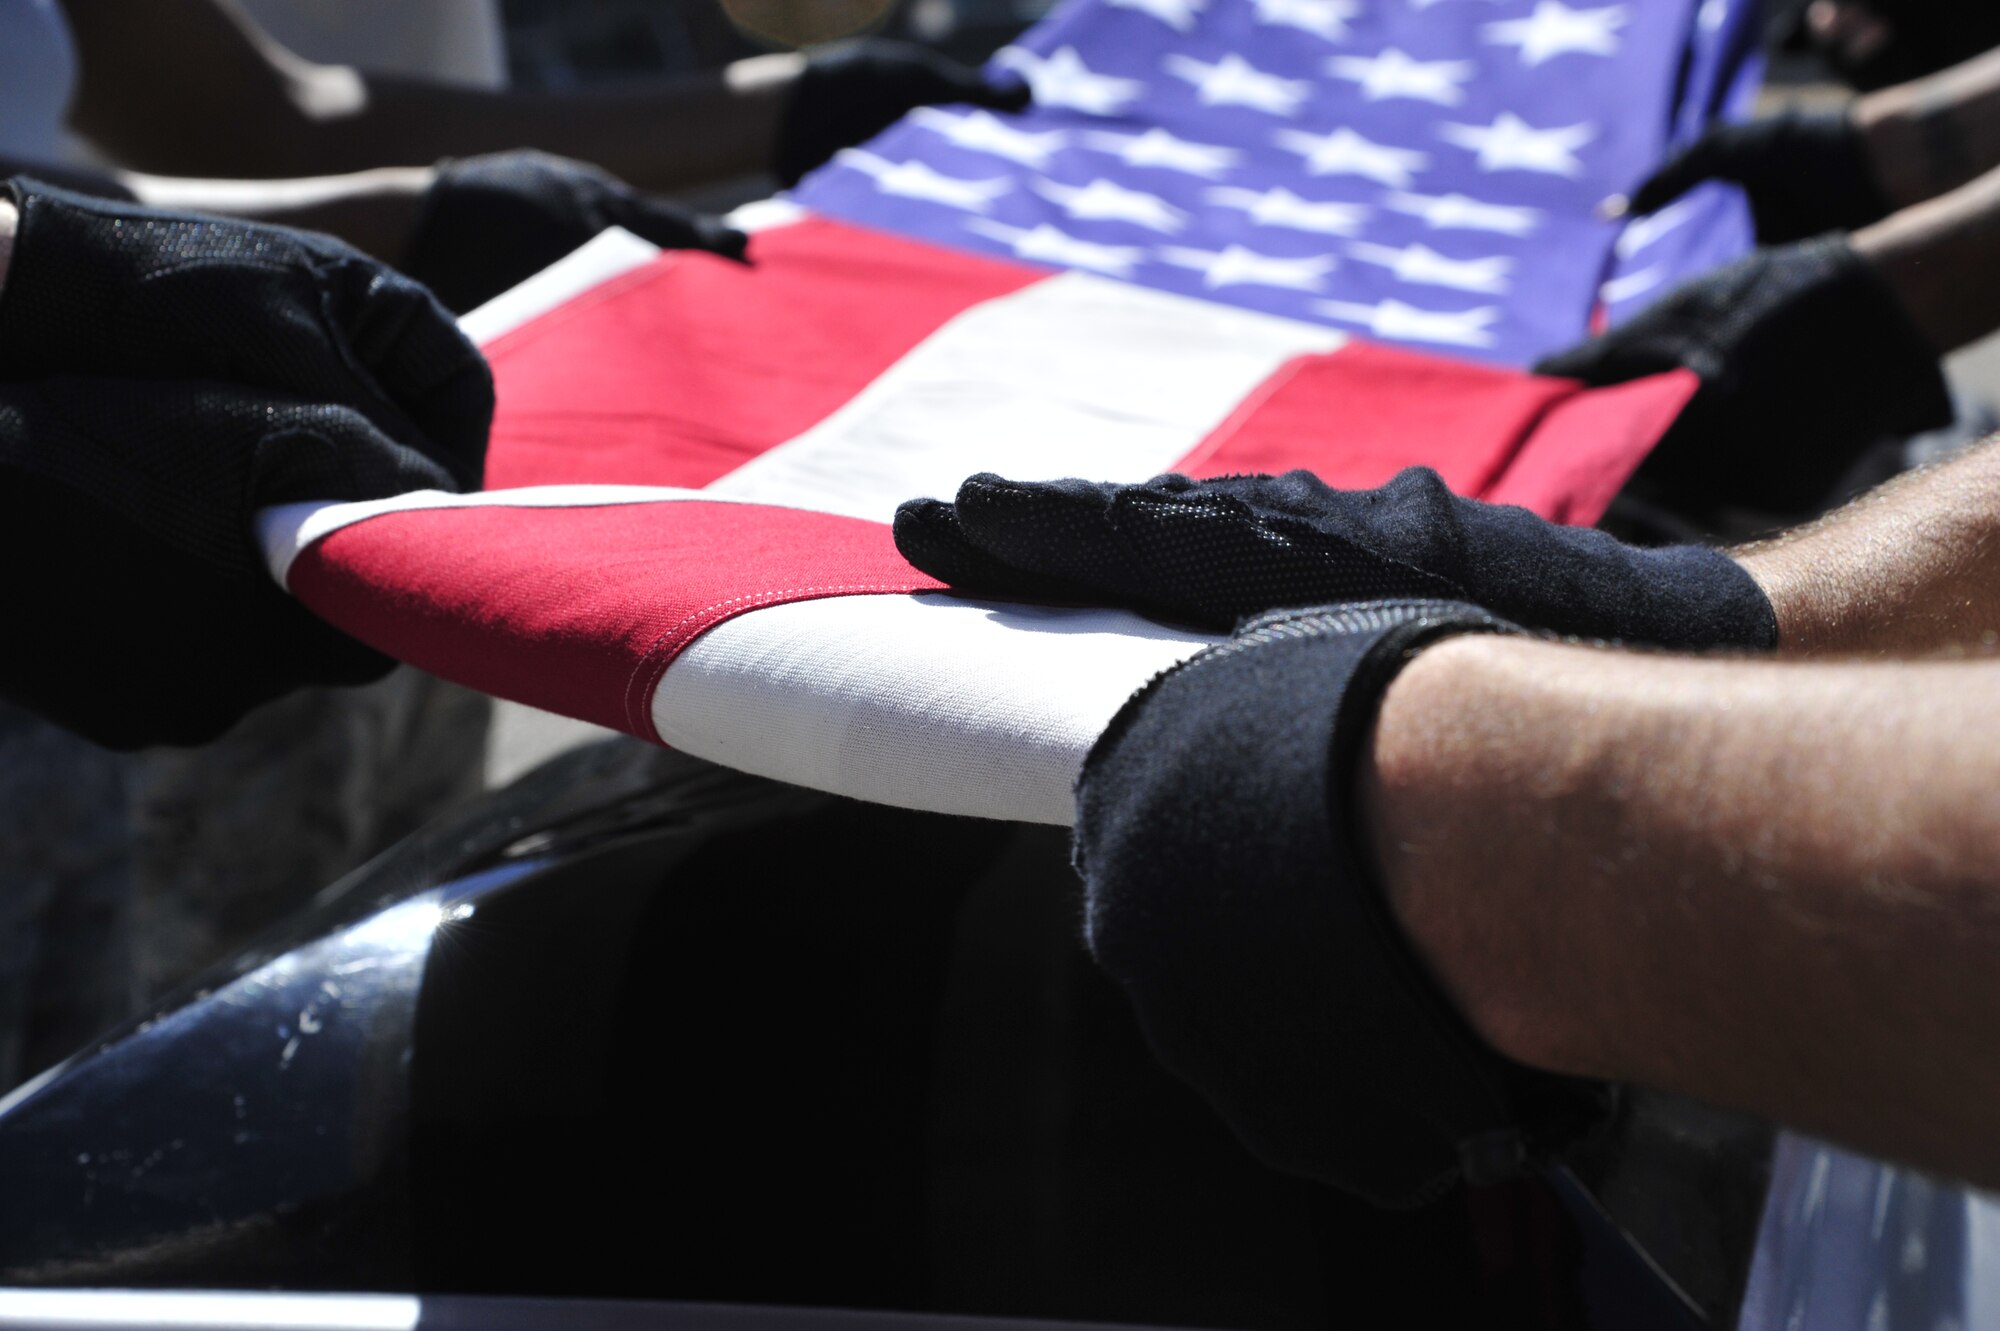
[(1407, 323), (1632, 284), (1322, 18), (1643, 231), (1446, 212), (918, 180), (984, 132), (1395, 74), (1234, 81), (1176, 14), (1555, 29), (1046, 244), (1345, 153), (1158, 148), (1425, 266), (1062, 79), (1512, 144), (1281, 207), (1236, 266), (1107, 201)]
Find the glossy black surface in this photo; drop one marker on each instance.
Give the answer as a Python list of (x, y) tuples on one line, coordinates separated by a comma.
[(640, 1028)]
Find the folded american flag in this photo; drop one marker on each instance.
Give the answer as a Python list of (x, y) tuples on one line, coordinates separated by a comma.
[(1163, 265)]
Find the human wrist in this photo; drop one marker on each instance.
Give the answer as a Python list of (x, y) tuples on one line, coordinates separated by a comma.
[(1804, 595), (761, 89), (10, 219), (1910, 569), (1938, 260), (1898, 142), (1448, 790)]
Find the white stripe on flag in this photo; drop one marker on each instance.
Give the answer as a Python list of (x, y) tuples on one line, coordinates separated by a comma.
[(925, 702), (603, 257), (1032, 385), (285, 531)]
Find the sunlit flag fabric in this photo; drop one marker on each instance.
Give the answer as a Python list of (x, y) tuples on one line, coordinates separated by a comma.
[(1232, 235)]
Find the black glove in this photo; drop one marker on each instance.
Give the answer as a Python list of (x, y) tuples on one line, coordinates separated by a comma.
[(1213, 552), (1805, 173), (1230, 891), (116, 290), (1805, 358), (491, 222), (851, 91), (136, 604)]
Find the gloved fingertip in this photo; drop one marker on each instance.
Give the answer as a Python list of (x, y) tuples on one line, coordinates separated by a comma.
[(919, 523), (987, 500), (1569, 364), (1650, 197), (1672, 180), (1004, 97), (929, 535), (917, 511), (979, 483)]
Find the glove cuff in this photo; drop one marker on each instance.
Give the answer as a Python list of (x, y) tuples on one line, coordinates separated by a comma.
[(1847, 194), (1232, 895), (472, 224), (1883, 371)]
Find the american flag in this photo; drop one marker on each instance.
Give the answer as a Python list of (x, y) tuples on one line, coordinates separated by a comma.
[(1421, 172), (1198, 251)]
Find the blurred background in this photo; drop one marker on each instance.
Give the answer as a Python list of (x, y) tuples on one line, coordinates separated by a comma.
[(559, 44)]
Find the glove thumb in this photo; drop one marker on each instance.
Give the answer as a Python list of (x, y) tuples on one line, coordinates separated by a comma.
[(671, 226), (1586, 361), (1009, 96), (1682, 172)]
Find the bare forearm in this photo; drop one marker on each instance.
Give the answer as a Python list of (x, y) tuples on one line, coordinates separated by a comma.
[(1942, 259), (8, 218), (1774, 887), (375, 211), (1932, 135), (1910, 569), (161, 78), (673, 135)]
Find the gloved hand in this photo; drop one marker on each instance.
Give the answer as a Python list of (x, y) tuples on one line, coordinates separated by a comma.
[(1805, 173), (1212, 552), (1805, 357), (851, 91), (1230, 892), (137, 607), (113, 289), (490, 222)]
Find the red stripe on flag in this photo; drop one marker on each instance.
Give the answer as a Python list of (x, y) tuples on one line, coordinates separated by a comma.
[(1589, 445), (681, 371), (1357, 416), (580, 610)]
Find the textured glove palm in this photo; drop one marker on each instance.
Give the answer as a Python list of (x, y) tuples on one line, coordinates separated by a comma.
[(166, 376), (1805, 358), (491, 222), (851, 91), (137, 608), (1212, 552), (1804, 172), (97, 287), (1230, 893)]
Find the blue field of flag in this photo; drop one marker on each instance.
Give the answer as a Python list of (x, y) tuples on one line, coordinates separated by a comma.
[(1422, 172)]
